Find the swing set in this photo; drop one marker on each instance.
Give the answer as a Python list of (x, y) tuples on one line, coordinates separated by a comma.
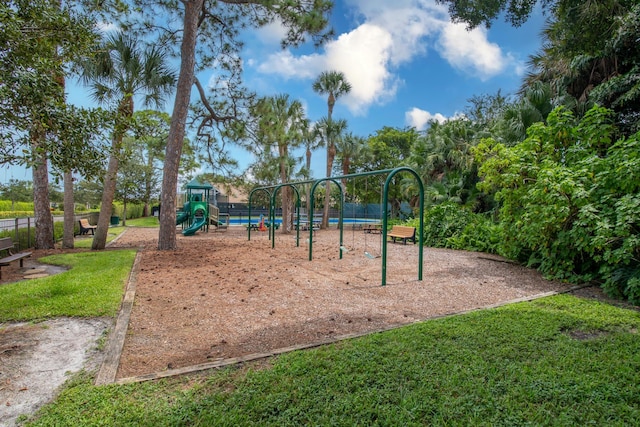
[(368, 228), (272, 190)]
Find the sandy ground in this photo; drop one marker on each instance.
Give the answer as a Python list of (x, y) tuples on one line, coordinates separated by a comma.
[(35, 359)]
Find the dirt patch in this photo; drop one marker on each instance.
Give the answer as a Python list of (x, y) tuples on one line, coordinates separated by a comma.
[(35, 359)]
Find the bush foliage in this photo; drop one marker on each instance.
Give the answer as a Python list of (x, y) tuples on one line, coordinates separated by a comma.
[(450, 225), (570, 199)]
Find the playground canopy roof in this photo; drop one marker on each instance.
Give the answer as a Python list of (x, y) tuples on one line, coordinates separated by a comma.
[(197, 185)]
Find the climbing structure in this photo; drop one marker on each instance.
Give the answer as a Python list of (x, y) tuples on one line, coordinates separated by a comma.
[(195, 211)]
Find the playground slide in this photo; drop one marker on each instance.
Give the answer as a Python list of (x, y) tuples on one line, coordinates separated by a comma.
[(182, 217), (197, 223)]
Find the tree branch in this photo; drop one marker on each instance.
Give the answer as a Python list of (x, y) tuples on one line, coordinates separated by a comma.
[(212, 114)]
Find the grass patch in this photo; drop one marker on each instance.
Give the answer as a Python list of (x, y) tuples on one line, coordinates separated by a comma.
[(148, 221), (87, 241), (515, 365), (92, 287)]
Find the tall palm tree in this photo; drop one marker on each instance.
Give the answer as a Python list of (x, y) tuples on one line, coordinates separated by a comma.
[(281, 123), (334, 84), (331, 132), (119, 72), (312, 140), (348, 148)]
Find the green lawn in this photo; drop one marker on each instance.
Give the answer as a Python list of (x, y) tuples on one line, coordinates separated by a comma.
[(554, 361), (92, 287), (149, 221)]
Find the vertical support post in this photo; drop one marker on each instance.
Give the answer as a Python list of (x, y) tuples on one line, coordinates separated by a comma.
[(385, 221)]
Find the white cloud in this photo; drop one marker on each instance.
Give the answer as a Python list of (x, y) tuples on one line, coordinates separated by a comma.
[(106, 27), (288, 66), (419, 119), (363, 56), (389, 35), (272, 33), (471, 52)]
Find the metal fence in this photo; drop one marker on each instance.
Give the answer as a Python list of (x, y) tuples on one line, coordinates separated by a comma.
[(11, 227)]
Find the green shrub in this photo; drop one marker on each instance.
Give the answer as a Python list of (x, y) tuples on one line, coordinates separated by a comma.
[(450, 225), (15, 214), (480, 234), (8, 205), (570, 200), (134, 210)]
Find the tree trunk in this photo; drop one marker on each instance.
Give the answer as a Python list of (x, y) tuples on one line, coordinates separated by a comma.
[(327, 195), (69, 217), (146, 211), (331, 154), (286, 191), (307, 188), (41, 208), (167, 233), (108, 194)]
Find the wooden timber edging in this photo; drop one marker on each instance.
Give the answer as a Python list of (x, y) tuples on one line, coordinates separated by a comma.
[(258, 356), (113, 351)]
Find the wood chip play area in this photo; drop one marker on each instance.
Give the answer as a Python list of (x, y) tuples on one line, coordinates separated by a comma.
[(220, 297)]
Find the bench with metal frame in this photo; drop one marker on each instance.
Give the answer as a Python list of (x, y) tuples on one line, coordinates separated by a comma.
[(85, 227), (403, 233), (6, 244)]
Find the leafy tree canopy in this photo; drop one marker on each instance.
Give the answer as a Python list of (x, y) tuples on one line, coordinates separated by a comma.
[(39, 42), (484, 12)]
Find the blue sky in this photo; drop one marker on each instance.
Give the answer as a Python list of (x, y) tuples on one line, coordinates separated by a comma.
[(407, 64), (406, 61)]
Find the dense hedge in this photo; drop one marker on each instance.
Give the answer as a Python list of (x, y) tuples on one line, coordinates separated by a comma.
[(570, 200)]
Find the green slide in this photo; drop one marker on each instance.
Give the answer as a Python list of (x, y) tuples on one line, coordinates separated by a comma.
[(197, 223), (184, 215)]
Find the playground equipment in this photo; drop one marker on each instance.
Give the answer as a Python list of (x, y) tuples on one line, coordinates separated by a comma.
[(196, 212), (390, 174)]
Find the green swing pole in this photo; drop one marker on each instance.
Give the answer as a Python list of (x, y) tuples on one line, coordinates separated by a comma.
[(391, 173), (311, 208), (266, 190), (385, 203), (272, 220), (335, 180)]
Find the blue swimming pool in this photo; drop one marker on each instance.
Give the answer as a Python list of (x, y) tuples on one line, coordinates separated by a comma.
[(332, 221)]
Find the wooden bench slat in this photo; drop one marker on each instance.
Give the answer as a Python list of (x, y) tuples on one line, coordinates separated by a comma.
[(85, 227), (7, 244), (9, 259), (402, 232)]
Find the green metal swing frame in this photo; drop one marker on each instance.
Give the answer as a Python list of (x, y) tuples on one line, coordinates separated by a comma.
[(391, 173)]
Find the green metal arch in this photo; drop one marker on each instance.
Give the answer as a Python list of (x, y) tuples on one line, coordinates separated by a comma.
[(385, 202), (272, 213), (335, 179), (391, 173), (266, 190), (311, 198)]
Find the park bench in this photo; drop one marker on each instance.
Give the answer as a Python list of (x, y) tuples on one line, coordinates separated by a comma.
[(85, 227), (403, 233), (6, 244), (372, 228)]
